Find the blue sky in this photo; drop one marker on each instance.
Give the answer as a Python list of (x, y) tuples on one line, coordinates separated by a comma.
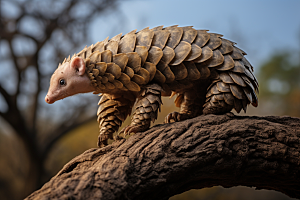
[(259, 27)]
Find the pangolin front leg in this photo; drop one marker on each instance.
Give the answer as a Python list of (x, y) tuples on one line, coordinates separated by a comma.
[(112, 112), (146, 111)]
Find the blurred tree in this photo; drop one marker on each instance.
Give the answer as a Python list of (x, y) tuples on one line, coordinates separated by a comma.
[(280, 84), (35, 36)]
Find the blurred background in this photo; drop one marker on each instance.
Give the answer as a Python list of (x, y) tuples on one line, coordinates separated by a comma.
[(37, 139)]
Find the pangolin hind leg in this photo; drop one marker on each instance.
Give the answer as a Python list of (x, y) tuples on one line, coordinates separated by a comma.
[(112, 112), (190, 103), (219, 99), (147, 107)]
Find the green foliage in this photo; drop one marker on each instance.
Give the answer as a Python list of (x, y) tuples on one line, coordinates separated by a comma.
[(279, 80)]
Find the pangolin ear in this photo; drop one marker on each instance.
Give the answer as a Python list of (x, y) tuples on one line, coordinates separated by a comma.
[(78, 64)]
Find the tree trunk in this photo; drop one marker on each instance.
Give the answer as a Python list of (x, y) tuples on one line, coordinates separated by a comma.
[(35, 175), (206, 151)]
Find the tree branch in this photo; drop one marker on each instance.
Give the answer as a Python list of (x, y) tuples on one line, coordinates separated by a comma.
[(6, 96), (201, 152)]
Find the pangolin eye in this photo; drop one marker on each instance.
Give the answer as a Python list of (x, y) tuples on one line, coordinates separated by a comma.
[(62, 82)]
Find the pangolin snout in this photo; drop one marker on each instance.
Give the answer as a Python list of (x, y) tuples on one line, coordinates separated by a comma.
[(48, 100)]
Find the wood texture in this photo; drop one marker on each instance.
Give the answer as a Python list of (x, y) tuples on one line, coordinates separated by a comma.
[(206, 151)]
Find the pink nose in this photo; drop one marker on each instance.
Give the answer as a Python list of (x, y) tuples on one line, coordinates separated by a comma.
[(47, 99)]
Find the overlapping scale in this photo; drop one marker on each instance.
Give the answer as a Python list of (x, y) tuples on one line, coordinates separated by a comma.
[(179, 71), (160, 38), (237, 79), (144, 38), (223, 87), (189, 34), (157, 28), (129, 71), (112, 45), (166, 71), (95, 57), (238, 67), (207, 53), (154, 55), (227, 64), (226, 47), (109, 86), (134, 61), (175, 36), (237, 91), (159, 77), (224, 76), (216, 60), (204, 71), (132, 86), (193, 72), (248, 93), (151, 68), (114, 69), (229, 98), (127, 43), (138, 79), (124, 78), (101, 66), (195, 52), (121, 60), (202, 38), (117, 38), (142, 51), (106, 56), (109, 77), (168, 55), (214, 41), (182, 50), (99, 46), (236, 54)]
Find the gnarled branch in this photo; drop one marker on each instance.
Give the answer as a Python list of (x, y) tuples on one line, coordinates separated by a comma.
[(227, 150)]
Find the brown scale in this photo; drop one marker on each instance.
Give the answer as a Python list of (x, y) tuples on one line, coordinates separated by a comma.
[(209, 74)]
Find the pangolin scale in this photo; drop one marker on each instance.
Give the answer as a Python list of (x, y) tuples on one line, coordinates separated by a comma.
[(209, 75)]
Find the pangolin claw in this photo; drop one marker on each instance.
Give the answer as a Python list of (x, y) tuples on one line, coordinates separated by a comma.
[(127, 130), (101, 143), (175, 117)]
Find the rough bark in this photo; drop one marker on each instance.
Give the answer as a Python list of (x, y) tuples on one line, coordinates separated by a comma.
[(226, 150)]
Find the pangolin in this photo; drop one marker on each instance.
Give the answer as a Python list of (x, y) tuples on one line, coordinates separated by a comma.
[(208, 73)]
